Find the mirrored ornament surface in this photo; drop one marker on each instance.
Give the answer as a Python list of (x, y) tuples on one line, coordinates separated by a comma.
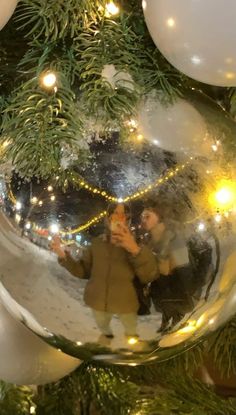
[(138, 261)]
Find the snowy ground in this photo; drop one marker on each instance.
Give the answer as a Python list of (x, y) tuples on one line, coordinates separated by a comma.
[(54, 297)]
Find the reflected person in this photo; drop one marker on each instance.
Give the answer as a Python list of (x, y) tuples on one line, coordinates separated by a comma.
[(169, 293), (110, 270)]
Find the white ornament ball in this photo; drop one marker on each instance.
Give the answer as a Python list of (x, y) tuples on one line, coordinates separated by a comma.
[(7, 8), (176, 127), (197, 37), (25, 359)]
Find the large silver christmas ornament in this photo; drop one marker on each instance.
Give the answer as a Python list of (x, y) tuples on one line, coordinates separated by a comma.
[(7, 8), (180, 275), (197, 37)]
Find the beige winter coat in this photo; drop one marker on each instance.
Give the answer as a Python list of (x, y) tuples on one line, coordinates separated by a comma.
[(110, 271)]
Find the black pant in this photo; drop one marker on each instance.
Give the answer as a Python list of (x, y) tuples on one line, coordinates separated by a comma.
[(172, 294)]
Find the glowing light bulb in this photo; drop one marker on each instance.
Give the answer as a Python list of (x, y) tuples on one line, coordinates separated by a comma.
[(196, 60), (50, 188), (224, 196), (40, 203), (230, 75), (54, 228), (34, 200), (140, 137), (53, 197), (132, 340), (111, 9), (214, 147), (218, 218), (201, 227), (49, 80), (18, 205), (28, 225)]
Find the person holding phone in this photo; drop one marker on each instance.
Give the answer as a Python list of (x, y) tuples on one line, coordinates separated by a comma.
[(110, 264)]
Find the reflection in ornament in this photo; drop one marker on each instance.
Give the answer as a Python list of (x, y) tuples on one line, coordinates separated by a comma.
[(55, 298)]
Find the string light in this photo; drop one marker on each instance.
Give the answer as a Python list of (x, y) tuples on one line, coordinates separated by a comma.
[(132, 340), (224, 196), (18, 205), (50, 188), (28, 225), (201, 227), (111, 9), (86, 225), (54, 228), (104, 194), (49, 80), (34, 200)]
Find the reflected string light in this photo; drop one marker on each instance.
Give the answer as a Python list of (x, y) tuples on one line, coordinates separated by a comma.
[(170, 174), (170, 22), (18, 205), (54, 228)]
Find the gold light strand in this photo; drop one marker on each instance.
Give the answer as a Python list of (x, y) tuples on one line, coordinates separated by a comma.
[(96, 191), (169, 175), (86, 225), (172, 173)]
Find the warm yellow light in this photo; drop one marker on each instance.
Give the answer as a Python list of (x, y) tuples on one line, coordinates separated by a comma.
[(224, 196), (50, 188), (132, 340), (170, 22), (40, 203), (17, 217), (214, 147), (49, 80), (190, 328), (218, 218), (230, 75), (34, 200), (140, 137), (111, 9), (53, 198)]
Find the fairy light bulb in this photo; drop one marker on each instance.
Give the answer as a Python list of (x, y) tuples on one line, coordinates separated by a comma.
[(34, 200), (49, 80), (224, 196), (112, 9)]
